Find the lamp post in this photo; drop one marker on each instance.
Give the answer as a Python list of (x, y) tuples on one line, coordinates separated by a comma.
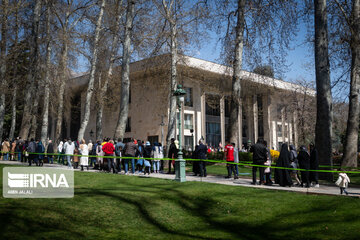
[(180, 175)]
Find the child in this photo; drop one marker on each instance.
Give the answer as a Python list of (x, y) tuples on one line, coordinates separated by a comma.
[(343, 182)]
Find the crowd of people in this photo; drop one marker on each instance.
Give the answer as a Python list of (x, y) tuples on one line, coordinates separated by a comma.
[(288, 159), (143, 157), (102, 155)]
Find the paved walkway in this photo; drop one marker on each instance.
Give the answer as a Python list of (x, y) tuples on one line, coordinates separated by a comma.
[(244, 182)]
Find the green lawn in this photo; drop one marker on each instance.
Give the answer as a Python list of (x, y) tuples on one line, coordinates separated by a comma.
[(109, 206)]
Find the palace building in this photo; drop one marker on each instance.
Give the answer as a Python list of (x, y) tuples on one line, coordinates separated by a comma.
[(267, 109)]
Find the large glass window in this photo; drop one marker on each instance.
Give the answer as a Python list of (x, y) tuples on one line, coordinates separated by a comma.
[(213, 134), (128, 125), (188, 97), (188, 121), (279, 130), (189, 142)]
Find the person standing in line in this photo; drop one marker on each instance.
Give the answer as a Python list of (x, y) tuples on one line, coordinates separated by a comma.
[(140, 155), (314, 165), (90, 148), (84, 159), (236, 158), (229, 157), (31, 149), (148, 153), (118, 151), (50, 152), (109, 150), (60, 158), (40, 150), (5, 149), (268, 163), (158, 155), (294, 164), (282, 176), (99, 154), (69, 148), (19, 149), (196, 165), (259, 158), (201, 153), (76, 155), (13, 146), (304, 163), (173, 153), (130, 150)]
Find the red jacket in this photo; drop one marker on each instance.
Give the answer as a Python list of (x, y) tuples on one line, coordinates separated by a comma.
[(108, 148), (229, 151)]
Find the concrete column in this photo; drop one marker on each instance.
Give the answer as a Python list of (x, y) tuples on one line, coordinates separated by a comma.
[(255, 114), (239, 144), (295, 129), (222, 120), (203, 116), (274, 134), (267, 120), (249, 119), (283, 124)]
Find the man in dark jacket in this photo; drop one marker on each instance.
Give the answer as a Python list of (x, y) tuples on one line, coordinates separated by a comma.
[(314, 165), (304, 163), (31, 149), (259, 158), (200, 153), (118, 151), (130, 150), (50, 150), (173, 153)]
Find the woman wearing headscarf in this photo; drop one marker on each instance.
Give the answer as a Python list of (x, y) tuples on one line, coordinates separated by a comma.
[(282, 176), (294, 164), (60, 152), (84, 151), (304, 163), (40, 149)]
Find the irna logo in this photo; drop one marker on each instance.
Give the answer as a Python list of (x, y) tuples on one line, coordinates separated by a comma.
[(16, 180)]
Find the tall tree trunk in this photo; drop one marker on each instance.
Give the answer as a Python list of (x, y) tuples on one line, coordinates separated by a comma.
[(62, 78), (3, 81), (173, 81), (15, 80), (323, 131), (236, 79), (103, 89), (33, 74), (125, 72), (63, 75), (352, 130), (90, 89), (45, 117), (13, 111), (99, 113), (34, 115)]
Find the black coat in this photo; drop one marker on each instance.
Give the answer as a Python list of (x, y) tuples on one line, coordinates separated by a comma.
[(282, 176), (173, 151), (259, 153), (201, 151), (304, 160), (50, 148)]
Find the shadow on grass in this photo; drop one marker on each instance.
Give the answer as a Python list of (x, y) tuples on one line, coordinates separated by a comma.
[(202, 207), (209, 219)]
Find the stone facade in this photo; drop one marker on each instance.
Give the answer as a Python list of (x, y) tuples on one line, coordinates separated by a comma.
[(265, 108)]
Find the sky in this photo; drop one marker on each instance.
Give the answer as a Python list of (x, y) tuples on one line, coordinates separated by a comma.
[(299, 59)]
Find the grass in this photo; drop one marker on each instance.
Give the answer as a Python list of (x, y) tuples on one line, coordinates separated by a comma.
[(109, 206)]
